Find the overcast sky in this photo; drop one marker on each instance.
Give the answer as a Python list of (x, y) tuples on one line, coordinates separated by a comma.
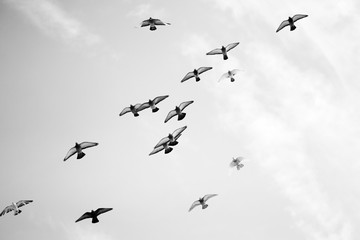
[(68, 68)]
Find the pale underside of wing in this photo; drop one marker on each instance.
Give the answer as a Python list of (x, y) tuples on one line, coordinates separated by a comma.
[(195, 204), (283, 24), (234, 163), (85, 145), (7, 209), (71, 152), (23, 203), (158, 22), (162, 142), (145, 23), (171, 114), (203, 69), (188, 76), (125, 110), (231, 46), (159, 99), (183, 105), (298, 17), (156, 150), (224, 76), (178, 131), (239, 159), (215, 51), (84, 216), (102, 210), (143, 106), (208, 196)]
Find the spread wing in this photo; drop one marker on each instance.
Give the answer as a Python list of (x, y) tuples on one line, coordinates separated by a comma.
[(195, 204), (239, 159), (102, 210), (183, 105), (125, 110), (145, 23), (6, 210), (171, 114), (158, 22), (225, 75), (231, 46), (156, 150), (85, 145), (84, 216), (159, 99), (143, 106), (208, 196), (23, 203), (188, 76), (203, 69), (299, 16), (233, 163), (71, 152), (178, 131), (235, 71), (282, 25), (162, 142), (215, 51)]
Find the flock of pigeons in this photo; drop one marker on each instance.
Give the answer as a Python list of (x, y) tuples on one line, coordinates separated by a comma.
[(169, 141)]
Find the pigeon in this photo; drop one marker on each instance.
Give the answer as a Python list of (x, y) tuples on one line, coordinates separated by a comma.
[(165, 146), (178, 111), (223, 50), (152, 22), (236, 162), (230, 74), (15, 207), (78, 149), (202, 201), (152, 103), (133, 109), (171, 139), (196, 73), (93, 214), (290, 22)]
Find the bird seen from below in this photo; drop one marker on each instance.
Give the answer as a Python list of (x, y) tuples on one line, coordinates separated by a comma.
[(202, 201), (132, 108), (178, 111), (152, 104), (171, 139), (15, 207), (223, 50), (161, 147), (229, 74), (236, 162), (93, 214), (78, 149), (152, 22), (291, 21), (196, 73)]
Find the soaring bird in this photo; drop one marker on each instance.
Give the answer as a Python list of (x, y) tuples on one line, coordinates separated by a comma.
[(78, 149), (178, 111), (152, 103), (152, 22), (165, 146), (132, 108), (236, 162), (196, 73), (202, 201), (291, 21), (171, 139), (15, 207), (93, 214), (223, 50), (230, 74)]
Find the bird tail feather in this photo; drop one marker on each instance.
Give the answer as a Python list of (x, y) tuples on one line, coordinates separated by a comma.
[(155, 109), (168, 150), (204, 206), (181, 116), (80, 155), (292, 28), (95, 220)]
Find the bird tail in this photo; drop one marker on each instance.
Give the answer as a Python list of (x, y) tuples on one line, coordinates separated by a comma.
[(152, 28), (80, 155), (197, 79), (168, 150), (181, 116), (204, 206), (174, 143), (155, 109), (136, 114), (232, 79), (225, 57), (95, 220), (17, 212), (292, 28)]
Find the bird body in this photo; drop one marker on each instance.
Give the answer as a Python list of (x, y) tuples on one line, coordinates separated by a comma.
[(230, 74), (290, 22), (131, 108), (202, 201), (236, 162), (15, 207), (152, 22), (223, 50), (152, 103), (178, 111), (78, 149), (195, 73), (94, 214)]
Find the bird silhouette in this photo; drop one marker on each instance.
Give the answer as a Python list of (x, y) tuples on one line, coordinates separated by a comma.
[(236, 162), (196, 73), (15, 207), (223, 50), (132, 108), (152, 22), (178, 111), (171, 139), (291, 21), (229, 74), (165, 146), (152, 103), (78, 149), (93, 214), (202, 201)]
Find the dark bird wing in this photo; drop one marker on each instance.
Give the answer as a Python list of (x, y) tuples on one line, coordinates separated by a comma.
[(71, 152), (208, 196), (102, 210), (85, 145), (183, 105), (231, 46), (159, 99), (298, 17), (84, 216), (188, 76), (171, 114), (162, 142), (156, 150), (143, 106), (178, 131), (125, 110), (283, 24), (6, 210), (203, 69), (195, 204), (158, 22), (23, 203), (145, 23), (215, 51)]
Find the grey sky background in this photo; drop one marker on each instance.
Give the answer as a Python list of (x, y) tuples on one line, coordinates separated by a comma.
[(68, 68)]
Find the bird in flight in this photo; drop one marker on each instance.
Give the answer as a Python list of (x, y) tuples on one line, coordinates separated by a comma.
[(196, 73), (165, 146), (15, 207), (236, 162), (152, 22), (93, 214), (78, 149), (202, 201), (223, 50), (178, 111), (171, 139), (229, 74), (152, 103), (291, 21), (132, 108)]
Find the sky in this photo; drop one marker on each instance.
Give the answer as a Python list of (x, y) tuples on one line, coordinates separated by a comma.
[(68, 68)]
